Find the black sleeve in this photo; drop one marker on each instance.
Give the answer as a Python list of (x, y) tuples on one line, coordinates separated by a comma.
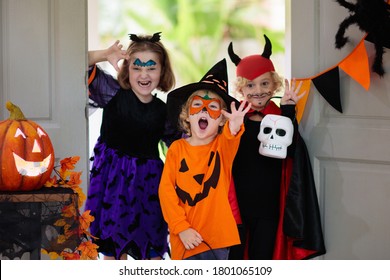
[(289, 112), (171, 133)]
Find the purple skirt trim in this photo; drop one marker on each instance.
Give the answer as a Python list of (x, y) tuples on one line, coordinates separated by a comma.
[(123, 198)]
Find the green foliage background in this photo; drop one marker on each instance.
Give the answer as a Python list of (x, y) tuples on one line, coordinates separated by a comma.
[(196, 32)]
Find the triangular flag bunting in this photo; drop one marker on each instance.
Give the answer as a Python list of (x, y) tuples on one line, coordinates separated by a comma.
[(328, 85), (356, 65), (300, 106)]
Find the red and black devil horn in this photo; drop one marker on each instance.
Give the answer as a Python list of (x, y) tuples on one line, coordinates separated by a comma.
[(266, 53), (267, 48), (233, 57)]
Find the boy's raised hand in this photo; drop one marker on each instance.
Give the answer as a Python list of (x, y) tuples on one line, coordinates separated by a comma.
[(291, 94), (236, 117)]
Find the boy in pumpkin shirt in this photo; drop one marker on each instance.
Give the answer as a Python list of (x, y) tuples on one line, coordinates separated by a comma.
[(196, 178)]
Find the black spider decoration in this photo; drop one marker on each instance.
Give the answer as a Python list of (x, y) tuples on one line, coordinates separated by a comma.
[(372, 17)]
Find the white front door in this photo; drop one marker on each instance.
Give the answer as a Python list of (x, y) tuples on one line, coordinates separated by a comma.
[(349, 151), (43, 55)]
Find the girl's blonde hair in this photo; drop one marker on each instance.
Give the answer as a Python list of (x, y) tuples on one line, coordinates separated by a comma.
[(241, 82), (185, 111), (167, 78)]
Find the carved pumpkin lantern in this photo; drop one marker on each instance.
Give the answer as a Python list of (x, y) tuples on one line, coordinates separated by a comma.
[(26, 153)]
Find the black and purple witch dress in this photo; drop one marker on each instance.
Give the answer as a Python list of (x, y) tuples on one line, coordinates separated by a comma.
[(125, 173)]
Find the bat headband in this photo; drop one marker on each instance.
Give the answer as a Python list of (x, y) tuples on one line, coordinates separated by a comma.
[(155, 38), (253, 66)]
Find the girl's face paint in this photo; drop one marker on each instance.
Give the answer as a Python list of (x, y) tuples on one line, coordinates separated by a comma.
[(144, 76), (140, 63), (205, 103)]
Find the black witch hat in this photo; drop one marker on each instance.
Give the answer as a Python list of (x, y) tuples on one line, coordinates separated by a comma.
[(216, 80)]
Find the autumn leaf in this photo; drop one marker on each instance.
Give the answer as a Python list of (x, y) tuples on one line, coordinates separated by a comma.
[(69, 211), (60, 223), (85, 220), (64, 174), (69, 163), (74, 178), (51, 182), (88, 250), (70, 232), (80, 193), (53, 255), (61, 239), (70, 256)]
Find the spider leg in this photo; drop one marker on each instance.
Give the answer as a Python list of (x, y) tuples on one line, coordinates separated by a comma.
[(341, 40), (346, 4), (377, 66)]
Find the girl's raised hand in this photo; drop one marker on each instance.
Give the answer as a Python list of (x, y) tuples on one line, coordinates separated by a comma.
[(291, 94), (115, 54)]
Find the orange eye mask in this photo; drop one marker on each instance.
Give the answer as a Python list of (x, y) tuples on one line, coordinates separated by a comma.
[(206, 103)]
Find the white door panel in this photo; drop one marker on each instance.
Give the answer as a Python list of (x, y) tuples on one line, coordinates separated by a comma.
[(43, 67), (349, 150)]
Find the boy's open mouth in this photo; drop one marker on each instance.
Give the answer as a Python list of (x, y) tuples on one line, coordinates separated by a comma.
[(203, 123)]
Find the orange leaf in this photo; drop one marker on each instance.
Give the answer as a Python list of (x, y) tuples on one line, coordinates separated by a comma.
[(69, 163), (75, 178), (70, 232), (61, 239), (69, 211), (64, 173), (82, 197), (60, 223), (51, 182), (70, 256), (53, 255), (85, 220), (88, 250), (80, 193)]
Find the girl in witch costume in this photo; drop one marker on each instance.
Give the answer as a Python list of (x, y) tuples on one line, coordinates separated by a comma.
[(279, 215), (126, 170), (196, 178)]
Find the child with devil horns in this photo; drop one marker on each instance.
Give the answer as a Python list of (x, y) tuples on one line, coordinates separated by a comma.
[(197, 172), (278, 215)]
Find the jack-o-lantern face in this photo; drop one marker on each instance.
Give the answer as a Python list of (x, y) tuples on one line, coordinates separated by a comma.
[(209, 183), (26, 155)]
